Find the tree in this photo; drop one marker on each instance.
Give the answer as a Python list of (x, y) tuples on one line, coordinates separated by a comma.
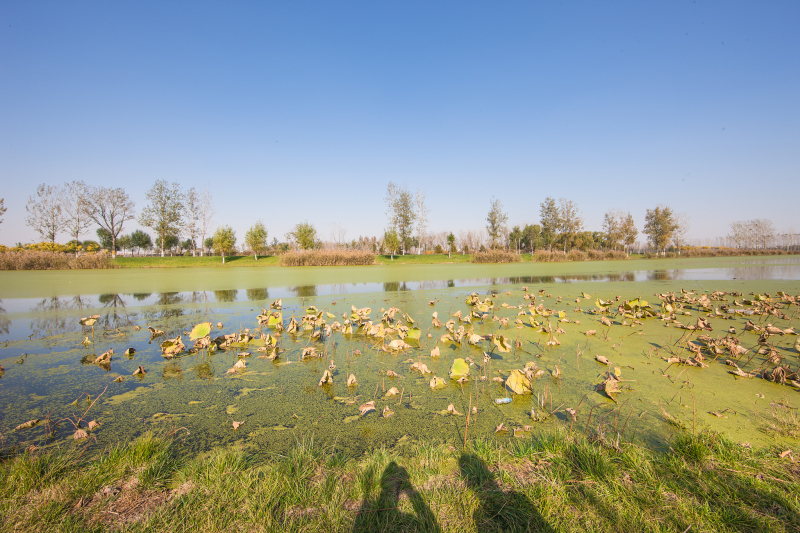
[(570, 219), (256, 238), (659, 226), (206, 210), (549, 218), (2, 209), (400, 208), (531, 236), (683, 223), (496, 221), (628, 231), (73, 202), (515, 238), (224, 240), (422, 217), (106, 242), (165, 212), (141, 240), (45, 213), (110, 209), (391, 242), (125, 243), (208, 244), (304, 235), (612, 227), (170, 243), (451, 243), (194, 215)]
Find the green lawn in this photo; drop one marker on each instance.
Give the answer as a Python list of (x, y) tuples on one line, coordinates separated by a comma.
[(189, 262)]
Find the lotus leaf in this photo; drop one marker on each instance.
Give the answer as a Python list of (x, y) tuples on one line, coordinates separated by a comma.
[(367, 407), (237, 425), (391, 393), (326, 379), (80, 434), (459, 369), (200, 330), (437, 383), (435, 351), (139, 371), (501, 343), (414, 333), (422, 368), (518, 382), (130, 351), (27, 425), (451, 409), (398, 344), (89, 321)]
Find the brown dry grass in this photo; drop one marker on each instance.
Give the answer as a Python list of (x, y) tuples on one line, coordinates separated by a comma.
[(327, 258), (52, 261), (496, 256)]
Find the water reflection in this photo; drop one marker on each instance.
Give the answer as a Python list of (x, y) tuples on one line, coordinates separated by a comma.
[(118, 316), (305, 291), (4, 322), (256, 295), (141, 296), (204, 371), (226, 296), (172, 371), (56, 315), (394, 286)]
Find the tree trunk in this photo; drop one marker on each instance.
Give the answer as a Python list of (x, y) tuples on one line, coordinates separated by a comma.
[(255, 256), (223, 258), (162, 246)]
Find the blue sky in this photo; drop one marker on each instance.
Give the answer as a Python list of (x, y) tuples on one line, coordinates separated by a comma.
[(293, 111)]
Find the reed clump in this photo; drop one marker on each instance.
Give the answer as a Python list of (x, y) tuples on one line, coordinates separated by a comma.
[(545, 256), (496, 256), (52, 261), (327, 258)]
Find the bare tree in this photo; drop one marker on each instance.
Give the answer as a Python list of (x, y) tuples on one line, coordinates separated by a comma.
[(45, 213), (73, 201), (612, 227), (193, 216), (683, 222), (628, 231), (110, 208), (422, 217), (338, 234), (206, 214), (2, 209)]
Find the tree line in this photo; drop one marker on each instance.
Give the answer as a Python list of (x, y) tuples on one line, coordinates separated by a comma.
[(174, 213)]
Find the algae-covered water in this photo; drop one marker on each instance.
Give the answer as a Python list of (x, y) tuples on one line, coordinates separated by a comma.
[(47, 368)]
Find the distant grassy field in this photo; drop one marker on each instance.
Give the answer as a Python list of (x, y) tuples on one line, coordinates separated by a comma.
[(433, 259), (189, 262)]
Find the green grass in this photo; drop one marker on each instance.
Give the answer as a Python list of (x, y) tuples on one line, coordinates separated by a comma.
[(432, 259), (550, 482), (193, 262)]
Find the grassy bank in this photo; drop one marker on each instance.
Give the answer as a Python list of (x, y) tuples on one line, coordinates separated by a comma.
[(554, 482), (190, 262)]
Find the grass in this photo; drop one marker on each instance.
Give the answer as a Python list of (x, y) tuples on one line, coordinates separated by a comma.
[(425, 259), (327, 258), (551, 482), (194, 262)]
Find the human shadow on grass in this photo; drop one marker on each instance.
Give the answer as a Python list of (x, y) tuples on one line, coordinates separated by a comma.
[(384, 514), (500, 510)]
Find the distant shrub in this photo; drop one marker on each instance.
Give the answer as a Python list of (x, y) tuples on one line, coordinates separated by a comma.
[(327, 258), (576, 255), (439, 249), (544, 256), (52, 261), (496, 256)]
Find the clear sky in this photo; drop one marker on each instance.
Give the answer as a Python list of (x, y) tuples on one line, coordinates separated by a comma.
[(293, 111)]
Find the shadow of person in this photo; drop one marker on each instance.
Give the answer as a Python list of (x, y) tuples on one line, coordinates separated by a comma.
[(500, 510), (384, 514)]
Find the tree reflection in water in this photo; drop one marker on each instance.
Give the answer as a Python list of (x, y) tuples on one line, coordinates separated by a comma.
[(226, 296), (257, 295), (118, 316), (306, 291)]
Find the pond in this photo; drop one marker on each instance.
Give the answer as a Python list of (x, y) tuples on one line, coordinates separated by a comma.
[(49, 357)]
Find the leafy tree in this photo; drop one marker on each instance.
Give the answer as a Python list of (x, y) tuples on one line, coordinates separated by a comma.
[(683, 222), (73, 202), (570, 221), (170, 243), (531, 236), (125, 243), (451, 244), (400, 208), (45, 212), (391, 242), (495, 221), (628, 231), (612, 226), (659, 226), (208, 243), (141, 240), (106, 242), (224, 240), (550, 219), (110, 209), (187, 245), (305, 236), (256, 238), (165, 212)]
